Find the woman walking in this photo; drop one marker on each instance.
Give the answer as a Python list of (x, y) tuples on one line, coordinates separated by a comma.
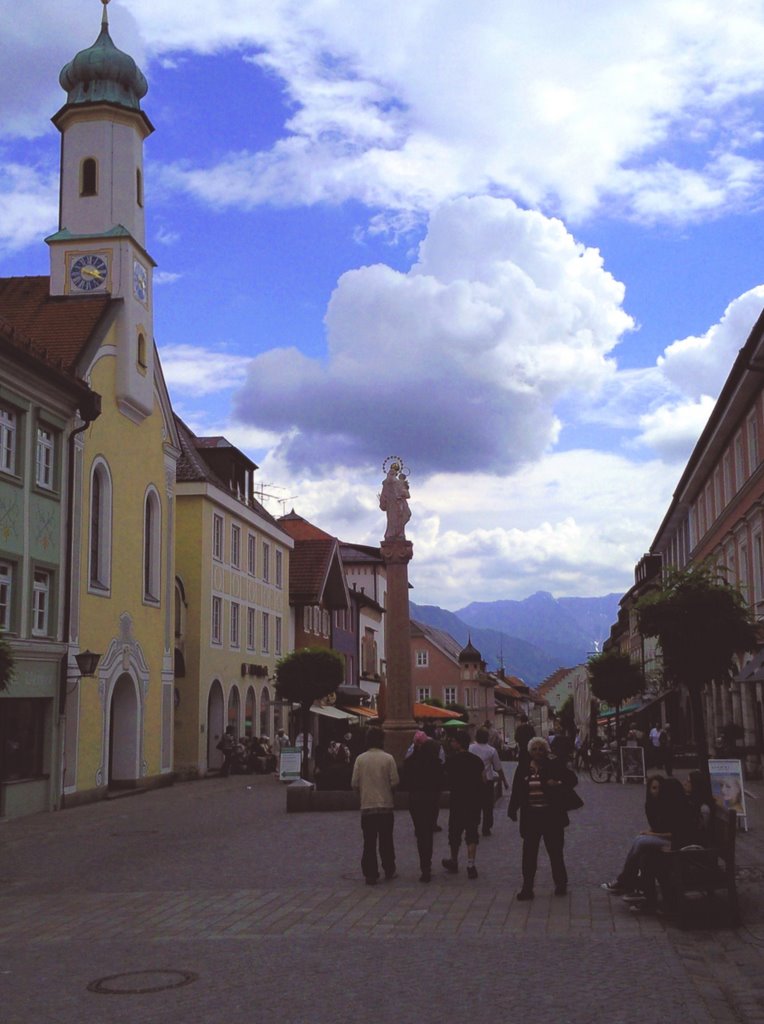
[(542, 791)]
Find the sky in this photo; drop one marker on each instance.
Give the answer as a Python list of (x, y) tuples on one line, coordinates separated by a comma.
[(516, 243)]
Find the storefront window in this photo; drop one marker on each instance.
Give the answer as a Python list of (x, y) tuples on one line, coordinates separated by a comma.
[(22, 731)]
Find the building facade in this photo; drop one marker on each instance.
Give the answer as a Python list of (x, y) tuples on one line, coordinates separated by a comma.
[(38, 412), (232, 616), (95, 315)]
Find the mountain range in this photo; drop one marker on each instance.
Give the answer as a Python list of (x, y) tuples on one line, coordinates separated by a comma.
[(531, 638)]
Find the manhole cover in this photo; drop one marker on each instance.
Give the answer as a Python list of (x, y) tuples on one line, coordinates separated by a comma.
[(136, 832), (135, 983)]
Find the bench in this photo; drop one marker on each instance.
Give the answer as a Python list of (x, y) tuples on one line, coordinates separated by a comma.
[(699, 871)]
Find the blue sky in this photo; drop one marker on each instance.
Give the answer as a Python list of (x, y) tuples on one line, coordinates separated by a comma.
[(517, 243)]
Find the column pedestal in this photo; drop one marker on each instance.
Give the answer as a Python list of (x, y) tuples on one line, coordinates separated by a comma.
[(399, 724)]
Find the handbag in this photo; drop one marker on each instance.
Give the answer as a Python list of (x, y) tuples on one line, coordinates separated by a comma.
[(570, 800)]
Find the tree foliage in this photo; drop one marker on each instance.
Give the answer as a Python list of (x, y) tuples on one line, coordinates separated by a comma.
[(459, 710), (304, 676), (614, 677), (6, 664), (309, 674), (701, 622)]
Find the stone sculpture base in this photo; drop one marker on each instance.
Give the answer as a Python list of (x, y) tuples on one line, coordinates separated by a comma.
[(399, 725)]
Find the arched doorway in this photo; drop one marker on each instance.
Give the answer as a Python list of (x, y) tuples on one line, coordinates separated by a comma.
[(234, 710), (265, 710), (215, 725), (124, 767)]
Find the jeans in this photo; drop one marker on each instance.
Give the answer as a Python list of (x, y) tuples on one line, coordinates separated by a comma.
[(487, 802), (639, 857), (377, 829)]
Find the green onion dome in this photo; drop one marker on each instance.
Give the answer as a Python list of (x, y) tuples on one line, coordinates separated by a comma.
[(104, 74)]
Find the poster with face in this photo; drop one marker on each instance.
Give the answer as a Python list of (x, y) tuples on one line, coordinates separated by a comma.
[(727, 784)]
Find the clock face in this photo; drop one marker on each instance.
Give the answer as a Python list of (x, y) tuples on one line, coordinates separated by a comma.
[(89, 272), (140, 282)]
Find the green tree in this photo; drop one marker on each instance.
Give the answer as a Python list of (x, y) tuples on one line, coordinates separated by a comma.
[(614, 678), (701, 623), (6, 664), (305, 676), (459, 711), (433, 702)]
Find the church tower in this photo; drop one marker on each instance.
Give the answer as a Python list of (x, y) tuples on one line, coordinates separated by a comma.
[(100, 244)]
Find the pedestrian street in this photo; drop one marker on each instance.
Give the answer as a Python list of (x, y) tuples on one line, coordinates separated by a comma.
[(206, 901)]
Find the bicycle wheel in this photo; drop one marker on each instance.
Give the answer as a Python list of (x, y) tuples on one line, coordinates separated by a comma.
[(601, 771)]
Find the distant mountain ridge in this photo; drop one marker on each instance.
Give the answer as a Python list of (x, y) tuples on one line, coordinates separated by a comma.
[(533, 637)]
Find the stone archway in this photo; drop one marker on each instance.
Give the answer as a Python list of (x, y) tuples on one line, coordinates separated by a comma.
[(215, 725), (124, 733)]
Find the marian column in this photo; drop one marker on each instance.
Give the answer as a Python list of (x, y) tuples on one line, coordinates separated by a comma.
[(397, 553)]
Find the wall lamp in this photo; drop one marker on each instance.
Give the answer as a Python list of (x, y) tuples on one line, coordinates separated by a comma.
[(87, 663)]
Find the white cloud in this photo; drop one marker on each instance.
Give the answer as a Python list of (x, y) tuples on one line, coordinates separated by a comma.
[(698, 366), (456, 364), (673, 430), (551, 104), (163, 277), (193, 371), (28, 206), (407, 105)]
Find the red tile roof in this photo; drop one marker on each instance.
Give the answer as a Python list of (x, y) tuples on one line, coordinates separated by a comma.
[(300, 529), (60, 325), (309, 565)]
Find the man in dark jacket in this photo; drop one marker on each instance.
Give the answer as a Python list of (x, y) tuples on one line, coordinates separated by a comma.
[(464, 775), (542, 789)]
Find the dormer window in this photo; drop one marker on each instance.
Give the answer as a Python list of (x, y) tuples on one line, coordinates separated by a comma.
[(89, 177)]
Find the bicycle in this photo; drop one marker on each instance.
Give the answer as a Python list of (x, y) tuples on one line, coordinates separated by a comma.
[(603, 766)]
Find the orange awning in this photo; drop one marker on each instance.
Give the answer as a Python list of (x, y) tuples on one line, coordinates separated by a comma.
[(428, 711), (363, 712)]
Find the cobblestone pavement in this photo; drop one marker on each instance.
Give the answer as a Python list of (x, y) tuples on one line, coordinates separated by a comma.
[(211, 888)]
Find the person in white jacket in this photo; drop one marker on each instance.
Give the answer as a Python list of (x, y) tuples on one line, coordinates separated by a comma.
[(492, 773), (375, 775)]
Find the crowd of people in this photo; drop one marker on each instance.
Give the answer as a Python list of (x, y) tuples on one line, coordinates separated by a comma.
[(245, 755), (543, 793)]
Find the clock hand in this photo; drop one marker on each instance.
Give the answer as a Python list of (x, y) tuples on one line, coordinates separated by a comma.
[(91, 272)]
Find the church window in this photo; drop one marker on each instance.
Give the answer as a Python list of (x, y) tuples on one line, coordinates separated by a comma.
[(151, 546), (142, 351), (89, 177), (138, 186), (100, 527)]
